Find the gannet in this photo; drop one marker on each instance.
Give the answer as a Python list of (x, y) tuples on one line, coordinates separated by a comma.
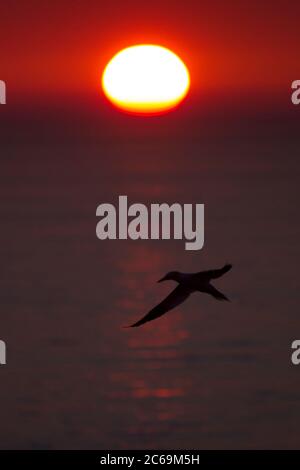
[(188, 283)]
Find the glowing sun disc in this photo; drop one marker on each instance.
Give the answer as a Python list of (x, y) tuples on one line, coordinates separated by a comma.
[(146, 79)]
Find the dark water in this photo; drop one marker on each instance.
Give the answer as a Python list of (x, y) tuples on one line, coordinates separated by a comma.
[(209, 374)]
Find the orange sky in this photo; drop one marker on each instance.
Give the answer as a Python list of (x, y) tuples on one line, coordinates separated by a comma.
[(64, 45)]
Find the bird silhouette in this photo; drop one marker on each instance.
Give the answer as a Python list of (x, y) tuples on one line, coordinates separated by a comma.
[(187, 284)]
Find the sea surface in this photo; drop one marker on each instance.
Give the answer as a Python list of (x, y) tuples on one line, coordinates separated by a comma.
[(208, 375)]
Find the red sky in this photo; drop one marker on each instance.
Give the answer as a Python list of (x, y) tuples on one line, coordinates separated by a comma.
[(63, 45)]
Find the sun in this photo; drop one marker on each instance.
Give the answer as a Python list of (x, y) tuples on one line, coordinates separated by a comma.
[(146, 79)]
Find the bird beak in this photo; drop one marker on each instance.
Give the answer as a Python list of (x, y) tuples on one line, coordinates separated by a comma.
[(162, 279)]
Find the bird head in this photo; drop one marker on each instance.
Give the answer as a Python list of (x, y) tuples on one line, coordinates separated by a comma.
[(171, 276)]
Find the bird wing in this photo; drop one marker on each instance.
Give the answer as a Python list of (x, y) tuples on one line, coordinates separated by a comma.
[(216, 293), (176, 297), (215, 273)]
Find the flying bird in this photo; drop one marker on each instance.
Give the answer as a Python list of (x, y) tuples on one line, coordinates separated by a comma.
[(187, 284)]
